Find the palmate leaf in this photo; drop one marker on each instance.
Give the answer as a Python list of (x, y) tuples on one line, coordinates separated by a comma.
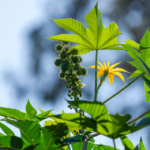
[(112, 126), (96, 37)]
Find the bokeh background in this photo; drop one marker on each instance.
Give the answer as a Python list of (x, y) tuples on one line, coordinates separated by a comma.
[(27, 70)]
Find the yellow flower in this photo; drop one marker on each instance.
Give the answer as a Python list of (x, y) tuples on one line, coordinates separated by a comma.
[(109, 71)]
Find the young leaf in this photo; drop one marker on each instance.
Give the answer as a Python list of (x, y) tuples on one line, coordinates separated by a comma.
[(6, 130), (95, 37), (136, 74), (133, 44), (141, 145), (145, 43), (43, 115), (127, 143), (30, 111)]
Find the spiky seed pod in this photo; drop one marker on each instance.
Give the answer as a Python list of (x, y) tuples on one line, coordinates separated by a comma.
[(83, 71), (76, 79), (79, 72), (64, 67), (59, 47), (62, 75), (57, 62), (65, 42), (76, 67), (75, 59), (80, 59), (67, 78), (63, 54), (65, 61)]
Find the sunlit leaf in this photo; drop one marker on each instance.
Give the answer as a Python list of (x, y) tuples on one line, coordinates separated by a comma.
[(136, 74), (127, 143), (96, 37), (141, 145)]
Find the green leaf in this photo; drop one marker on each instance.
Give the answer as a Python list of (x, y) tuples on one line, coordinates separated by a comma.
[(127, 143), (30, 131), (13, 113), (11, 143), (6, 130), (43, 115), (147, 81), (133, 44), (135, 64), (52, 135), (95, 37), (147, 89), (136, 74), (30, 111), (141, 145), (103, 147), (146, 67), (145, 44)]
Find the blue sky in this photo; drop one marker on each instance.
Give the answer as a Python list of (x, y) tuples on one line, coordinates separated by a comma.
[(18, 17)]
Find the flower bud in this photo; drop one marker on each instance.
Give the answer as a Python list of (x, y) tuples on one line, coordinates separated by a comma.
[(83, 71)]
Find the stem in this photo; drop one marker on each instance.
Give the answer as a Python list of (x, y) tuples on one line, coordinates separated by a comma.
[(122, 89), (138, 117), (95, 96), (114, 144), (75, 98)]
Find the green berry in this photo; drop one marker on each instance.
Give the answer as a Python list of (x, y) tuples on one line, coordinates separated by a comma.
[(76, 67), (83, 71), (57, 62), (75, 59), (67, 78), (64, 67), (63, 54), (80, 59), (65, 61), (58, 47), (62, 75), (79, 72)]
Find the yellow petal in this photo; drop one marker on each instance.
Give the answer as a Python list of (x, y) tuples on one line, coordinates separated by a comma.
[(105, 65), (101, 65), (100, 73), (112, 66), (118, 69), (110, 78), (98, 67), (119, 75), (108, 64)]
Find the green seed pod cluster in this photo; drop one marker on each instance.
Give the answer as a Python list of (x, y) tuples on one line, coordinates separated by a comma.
[(70, 70), (57, 62), (59, 47), (63, 54)]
